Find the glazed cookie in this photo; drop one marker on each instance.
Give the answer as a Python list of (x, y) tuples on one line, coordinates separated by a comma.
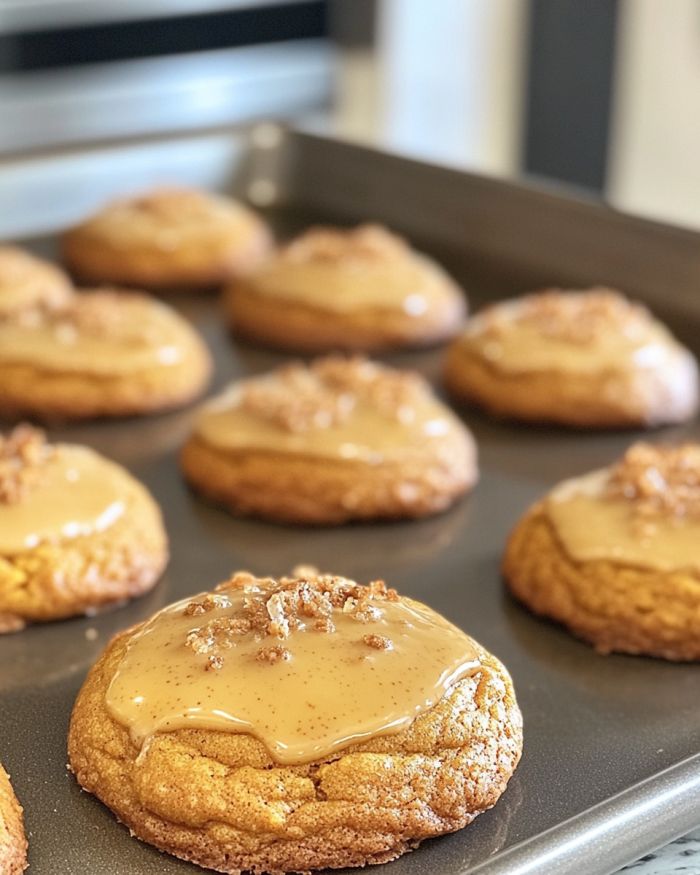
[(337, 440), (332, 289), (614, 555), (589, 359), (396, 726), (103, 354), (27, 282), (13, 843), (166, 239), (77, 532)]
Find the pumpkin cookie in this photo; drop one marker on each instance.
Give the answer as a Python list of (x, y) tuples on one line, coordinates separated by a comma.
[(615, 555), (102, 354), (13, 843), (589, 359), (332, 289), (396, 726), (27, 282), (165, 239), (77, 532), (337, 440)]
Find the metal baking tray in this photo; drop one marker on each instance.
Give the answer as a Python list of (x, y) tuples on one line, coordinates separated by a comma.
[(611, 767)]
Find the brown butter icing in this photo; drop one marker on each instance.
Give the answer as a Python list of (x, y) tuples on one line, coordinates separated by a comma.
[(76, 492), (99, 333), (575, 332), (306, 683), (633, 513), (345, 271), (340, 409)]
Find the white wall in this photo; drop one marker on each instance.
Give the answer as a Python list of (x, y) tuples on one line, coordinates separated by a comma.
[(655, 143)]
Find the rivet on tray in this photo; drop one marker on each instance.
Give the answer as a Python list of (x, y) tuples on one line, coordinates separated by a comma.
[(262, 192), (266, 136)]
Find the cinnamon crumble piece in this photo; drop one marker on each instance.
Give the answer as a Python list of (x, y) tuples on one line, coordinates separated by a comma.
[(272, 609), (366, 613), (378, 642), (218, 634), (207, 604), (23, 453), (362, 244), (379, 589), (659, 481), (273, 655), (238, 580)]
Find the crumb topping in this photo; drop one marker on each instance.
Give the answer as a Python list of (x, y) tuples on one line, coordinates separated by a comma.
[(580, 318), (273, 654), (379, 642), (111, 315), (659, 481), (366, 243), (294, 399), (23, 454), (208, 603), (307, 664), (105, 315), (273, 610), (300, 398)]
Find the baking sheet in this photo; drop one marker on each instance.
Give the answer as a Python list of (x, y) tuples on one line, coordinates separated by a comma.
[(612, 744)]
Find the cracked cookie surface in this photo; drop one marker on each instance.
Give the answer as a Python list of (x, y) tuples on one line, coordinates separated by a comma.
[(13, 843)]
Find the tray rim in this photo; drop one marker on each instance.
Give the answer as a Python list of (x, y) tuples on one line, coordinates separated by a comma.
[(601, 833), (649, 255)]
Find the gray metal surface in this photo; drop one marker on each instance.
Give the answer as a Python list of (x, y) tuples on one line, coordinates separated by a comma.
[(611, 765)]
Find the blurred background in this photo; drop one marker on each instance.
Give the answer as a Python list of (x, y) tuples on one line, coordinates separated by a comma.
[(599, 94)]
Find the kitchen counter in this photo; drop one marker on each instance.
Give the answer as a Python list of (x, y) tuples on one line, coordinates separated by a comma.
[(681, 856)]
